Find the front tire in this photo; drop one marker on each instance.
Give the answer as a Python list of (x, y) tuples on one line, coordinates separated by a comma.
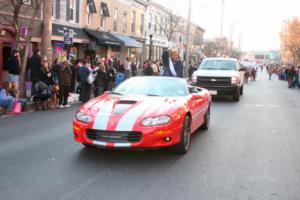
[(241, 90), (236, 98), (206, 123), (87, 146), (185, 136)]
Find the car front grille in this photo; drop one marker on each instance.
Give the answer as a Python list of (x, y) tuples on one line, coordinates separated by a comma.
[(113, 136), (214, 81)]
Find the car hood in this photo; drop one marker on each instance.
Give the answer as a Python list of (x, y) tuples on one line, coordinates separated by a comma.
[(215, 73), (132, 106)]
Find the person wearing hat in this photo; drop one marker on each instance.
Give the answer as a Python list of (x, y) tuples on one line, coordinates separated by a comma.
[(14, 64)]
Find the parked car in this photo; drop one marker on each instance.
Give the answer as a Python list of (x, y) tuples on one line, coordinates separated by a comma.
[(144, 112), (221, 76)]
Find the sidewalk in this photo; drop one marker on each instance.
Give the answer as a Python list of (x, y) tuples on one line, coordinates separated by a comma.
[(30, 106)]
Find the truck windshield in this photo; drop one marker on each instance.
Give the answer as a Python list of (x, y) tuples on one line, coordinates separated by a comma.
[(218, 65)]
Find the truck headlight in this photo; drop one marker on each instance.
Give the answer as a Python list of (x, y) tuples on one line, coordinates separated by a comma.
[(235, 80), (153, 121), (83, 117), (194, 79)]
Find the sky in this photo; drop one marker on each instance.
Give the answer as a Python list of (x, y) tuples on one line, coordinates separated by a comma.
[(255, 23)]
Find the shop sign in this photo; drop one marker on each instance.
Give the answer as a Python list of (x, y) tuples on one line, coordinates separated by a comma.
[(68, 36), (24, 31)]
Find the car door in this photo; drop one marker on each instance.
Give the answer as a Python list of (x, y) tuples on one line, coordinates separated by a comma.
[(197, 105)]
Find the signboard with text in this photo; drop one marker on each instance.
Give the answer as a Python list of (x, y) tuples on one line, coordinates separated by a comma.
[(68, 36)]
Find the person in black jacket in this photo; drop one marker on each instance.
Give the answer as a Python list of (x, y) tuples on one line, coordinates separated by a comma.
[(35, 66), (86, 88), (14, 64), (101, 81), (64, 80), (111, 73)]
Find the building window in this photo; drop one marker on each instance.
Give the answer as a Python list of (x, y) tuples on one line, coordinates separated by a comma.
[(142, 24), (104, 10), (27, 2), (150, 21), (53, 9), (155, 26), (92, 6), (101, 20), (115, 28), (72, 10), (124, 22), (166, 26), (89, 18), (133, 22), (161, 25)]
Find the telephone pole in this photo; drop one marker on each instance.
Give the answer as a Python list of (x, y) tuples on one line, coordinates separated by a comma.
[(47, 29), (187, 48), (222, 18)]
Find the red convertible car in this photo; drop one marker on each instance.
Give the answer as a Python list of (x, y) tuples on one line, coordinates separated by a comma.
[(144, 112)]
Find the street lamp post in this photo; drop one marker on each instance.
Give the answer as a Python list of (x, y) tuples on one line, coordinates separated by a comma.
[(150, 46), (187, 49)]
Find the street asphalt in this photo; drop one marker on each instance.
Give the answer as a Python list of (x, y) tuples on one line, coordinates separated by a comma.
[(251, 151)]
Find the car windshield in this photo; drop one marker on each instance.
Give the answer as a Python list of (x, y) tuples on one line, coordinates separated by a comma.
[(153, 86), (218, 65)]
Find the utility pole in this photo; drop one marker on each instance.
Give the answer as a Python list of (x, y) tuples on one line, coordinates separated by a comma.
[(230, 40), (47, 29), (222, 18), (239, 48), (187, 48)]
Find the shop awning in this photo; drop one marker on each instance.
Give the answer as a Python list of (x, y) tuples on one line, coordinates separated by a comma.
[(58, 30), (91, 6), (128, 41), (103, 38)]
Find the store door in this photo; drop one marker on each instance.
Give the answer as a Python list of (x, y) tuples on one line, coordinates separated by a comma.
[(6, 51)]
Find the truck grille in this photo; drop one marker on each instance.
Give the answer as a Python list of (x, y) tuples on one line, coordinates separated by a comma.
[(214, 81), (114, 136)]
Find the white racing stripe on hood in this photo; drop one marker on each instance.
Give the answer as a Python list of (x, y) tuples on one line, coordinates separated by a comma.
[(128, 120), (101, 122)]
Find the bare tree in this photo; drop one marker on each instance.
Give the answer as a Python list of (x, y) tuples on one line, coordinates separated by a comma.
[(220, 47), (24, 13), (171, 26)]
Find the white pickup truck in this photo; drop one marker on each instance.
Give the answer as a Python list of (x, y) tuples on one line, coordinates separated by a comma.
[(221, 76)]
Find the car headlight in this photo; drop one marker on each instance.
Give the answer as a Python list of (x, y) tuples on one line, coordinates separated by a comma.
[(235, 80), (83, 117), (194, 79), (153, 121)]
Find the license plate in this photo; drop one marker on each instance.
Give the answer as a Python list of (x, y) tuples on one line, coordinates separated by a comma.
[(213, 92)]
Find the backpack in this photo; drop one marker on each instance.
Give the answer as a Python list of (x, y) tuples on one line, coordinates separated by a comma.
[(119, 79)]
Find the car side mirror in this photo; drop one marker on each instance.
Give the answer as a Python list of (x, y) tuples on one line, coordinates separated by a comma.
[(193, 90)]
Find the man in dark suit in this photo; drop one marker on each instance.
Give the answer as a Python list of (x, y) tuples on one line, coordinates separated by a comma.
[(174, 65)]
